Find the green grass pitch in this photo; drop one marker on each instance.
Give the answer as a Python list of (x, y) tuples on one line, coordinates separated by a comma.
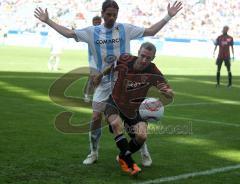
[(200, 130)]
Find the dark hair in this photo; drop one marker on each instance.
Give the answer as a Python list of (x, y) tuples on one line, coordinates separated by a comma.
[(226, 27), (96, 18), (149, 46), (109, 4)]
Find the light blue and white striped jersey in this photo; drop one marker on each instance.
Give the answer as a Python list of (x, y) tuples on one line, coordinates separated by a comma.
[(91, 61), (104, 42)]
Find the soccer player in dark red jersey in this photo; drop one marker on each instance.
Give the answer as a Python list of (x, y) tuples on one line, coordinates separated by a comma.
[(224, 42), (111, 39), (134, 76)]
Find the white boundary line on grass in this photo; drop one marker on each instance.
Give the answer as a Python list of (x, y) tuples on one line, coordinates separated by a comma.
[(192, 104), (191, 175), (205, 121)]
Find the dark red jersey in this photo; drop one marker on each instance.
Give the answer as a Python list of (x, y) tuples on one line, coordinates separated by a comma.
[(131, 86), (224, 42)]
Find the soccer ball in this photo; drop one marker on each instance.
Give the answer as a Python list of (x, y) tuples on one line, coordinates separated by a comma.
[(151, 109)]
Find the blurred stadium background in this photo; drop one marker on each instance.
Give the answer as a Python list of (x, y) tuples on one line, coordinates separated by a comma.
[(195, 28), (200, 130)]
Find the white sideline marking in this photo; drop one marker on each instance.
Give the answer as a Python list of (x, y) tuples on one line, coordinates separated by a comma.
[(192, 104), (191, 175), (205, 121)]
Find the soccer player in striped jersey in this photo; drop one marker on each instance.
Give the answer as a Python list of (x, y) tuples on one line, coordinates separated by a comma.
[(224, 42), (89, 88), (107, 42), (134, 76)]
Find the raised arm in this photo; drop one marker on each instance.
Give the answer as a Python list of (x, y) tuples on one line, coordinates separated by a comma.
[(172, 11), (42, 15)]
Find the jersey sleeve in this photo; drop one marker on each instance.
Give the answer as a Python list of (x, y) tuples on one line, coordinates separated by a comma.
[(83, 35), (134, 32), (159, 81)]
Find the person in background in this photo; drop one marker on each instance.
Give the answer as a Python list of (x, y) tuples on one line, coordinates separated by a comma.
[(224, 42)]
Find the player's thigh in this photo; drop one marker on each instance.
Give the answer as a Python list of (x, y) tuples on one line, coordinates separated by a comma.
[(98, 107), (227, 64), (219, 62), (102, 92), (116, 124), (111, 108), (100, 96), (136, 128), (141, 130)]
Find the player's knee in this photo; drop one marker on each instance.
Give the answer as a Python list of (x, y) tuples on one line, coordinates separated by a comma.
[(97, 116), (141, 138), (115, 124), (96, 121)]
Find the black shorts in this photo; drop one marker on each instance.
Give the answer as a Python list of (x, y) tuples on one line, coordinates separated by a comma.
[(227, 63), (111, 109)]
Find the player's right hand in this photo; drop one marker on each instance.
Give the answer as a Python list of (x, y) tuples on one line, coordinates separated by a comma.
[(41, 15), (97, 79), (174, 9)]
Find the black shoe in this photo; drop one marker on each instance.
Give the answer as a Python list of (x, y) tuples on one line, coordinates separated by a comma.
[(217, 85)]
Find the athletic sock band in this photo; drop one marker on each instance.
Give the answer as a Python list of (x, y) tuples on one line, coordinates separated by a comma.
[(167, 18)]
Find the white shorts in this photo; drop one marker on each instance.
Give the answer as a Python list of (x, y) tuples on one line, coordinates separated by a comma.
[(56, 50), (101, 94)]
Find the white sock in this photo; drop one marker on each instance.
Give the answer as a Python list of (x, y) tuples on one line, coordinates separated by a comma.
[(144, 149), (57, 61)]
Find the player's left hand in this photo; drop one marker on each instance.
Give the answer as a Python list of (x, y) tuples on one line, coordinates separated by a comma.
[(166, 90), (233, 58), (174, 9), (169, 94), (108, 69), (41, 14)]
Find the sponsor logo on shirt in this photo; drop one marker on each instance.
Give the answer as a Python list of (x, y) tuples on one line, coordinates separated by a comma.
[(224, 43), (134, 85), (116, 40)]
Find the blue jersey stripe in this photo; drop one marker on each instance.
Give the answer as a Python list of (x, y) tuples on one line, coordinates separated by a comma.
[(97, 48), (109, 44), (122, 35), (89, 55)]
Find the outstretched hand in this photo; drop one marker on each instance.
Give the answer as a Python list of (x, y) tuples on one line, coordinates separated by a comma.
[(41, 15), (174, 9)]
